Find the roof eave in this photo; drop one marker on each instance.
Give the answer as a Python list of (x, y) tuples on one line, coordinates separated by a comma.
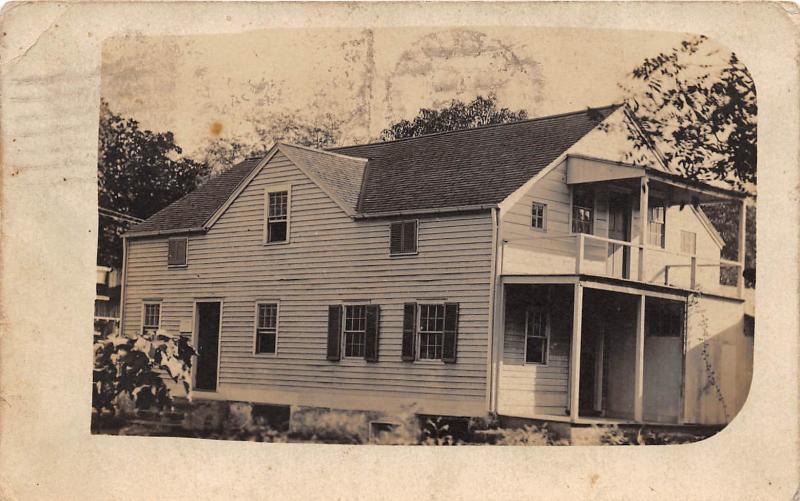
[(423, 212), (161, 233)]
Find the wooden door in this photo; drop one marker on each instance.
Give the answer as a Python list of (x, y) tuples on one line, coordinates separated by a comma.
[(208, 321), (619, 216)]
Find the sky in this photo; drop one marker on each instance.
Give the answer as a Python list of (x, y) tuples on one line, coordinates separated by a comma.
[(228, 85)]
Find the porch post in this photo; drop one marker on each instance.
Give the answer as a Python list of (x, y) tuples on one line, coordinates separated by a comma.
[(638, 377), (575, 353), (741, 250), (643, 223)]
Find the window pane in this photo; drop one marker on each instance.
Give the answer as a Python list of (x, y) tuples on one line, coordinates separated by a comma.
[(277, 204), (354, 344), (152, 313), (536, 349), (267, 316), (430, 345), (265, 341), (276, 232), (355, 328), (537, 215)]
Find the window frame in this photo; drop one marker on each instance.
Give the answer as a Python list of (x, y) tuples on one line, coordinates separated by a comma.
[(546, 315), (278, 188), (419, 332), (543, 205), (655, 203), (343, 340), (592, 210), (258, 305), (186, 252), (152, 302), (416, 238)]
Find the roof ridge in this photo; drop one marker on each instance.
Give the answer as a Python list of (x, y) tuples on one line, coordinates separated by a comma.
[(324, 151), (480, 127)]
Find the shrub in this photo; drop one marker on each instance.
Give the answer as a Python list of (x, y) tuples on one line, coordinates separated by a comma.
[(127, 369), (528, 435)]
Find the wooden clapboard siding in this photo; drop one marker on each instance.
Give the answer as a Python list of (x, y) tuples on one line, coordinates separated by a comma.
[(535, 389), (529, 251), (330, 259)]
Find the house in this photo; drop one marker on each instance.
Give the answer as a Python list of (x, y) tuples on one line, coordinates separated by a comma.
[(106, 303), (543, 269)]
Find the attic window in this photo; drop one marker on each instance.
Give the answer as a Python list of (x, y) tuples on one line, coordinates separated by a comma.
[(176, 255), (403, 238), (277, 215)]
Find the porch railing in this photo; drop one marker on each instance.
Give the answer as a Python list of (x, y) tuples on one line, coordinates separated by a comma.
[(602, 256)]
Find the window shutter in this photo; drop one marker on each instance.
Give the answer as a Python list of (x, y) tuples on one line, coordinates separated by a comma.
[(334, 332), (409, 332), (450, 333), (396, 238), (373, 328), (409, 237), (177, 251)]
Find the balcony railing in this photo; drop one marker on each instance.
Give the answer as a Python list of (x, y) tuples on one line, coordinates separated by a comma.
[(607, 257)]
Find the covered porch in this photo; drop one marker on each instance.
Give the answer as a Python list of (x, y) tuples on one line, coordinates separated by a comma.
[(588, 351)]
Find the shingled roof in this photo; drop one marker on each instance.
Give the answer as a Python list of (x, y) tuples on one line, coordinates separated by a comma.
[(468, 167), (192, 211), (472, 167)]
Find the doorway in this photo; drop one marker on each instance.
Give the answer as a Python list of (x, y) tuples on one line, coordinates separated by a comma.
[(619, 217), (207, 342)]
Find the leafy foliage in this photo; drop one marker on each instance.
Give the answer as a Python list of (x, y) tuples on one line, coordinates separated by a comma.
[(699, 108), (726, 221), (458, 115), (139, 172), (127, 368)]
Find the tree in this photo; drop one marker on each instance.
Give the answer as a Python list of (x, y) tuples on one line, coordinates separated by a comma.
[(139, 172), (699, 108), (458, 115)]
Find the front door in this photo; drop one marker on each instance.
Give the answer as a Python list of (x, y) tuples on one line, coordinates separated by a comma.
[(208, 319), (619, 215)]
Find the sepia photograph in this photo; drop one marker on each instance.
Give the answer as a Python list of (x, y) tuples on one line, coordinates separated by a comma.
[(432, 235)]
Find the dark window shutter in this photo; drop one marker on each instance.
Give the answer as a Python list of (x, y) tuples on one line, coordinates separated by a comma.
[(177, 251), (396, 238), (334, 332), (450, 333), (373, 330), (409, 331), (409, 237)]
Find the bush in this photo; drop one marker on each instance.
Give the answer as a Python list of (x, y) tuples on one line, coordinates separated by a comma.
[(127, 370)]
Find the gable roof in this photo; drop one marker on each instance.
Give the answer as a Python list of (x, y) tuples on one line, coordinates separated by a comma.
[(466, 168), (339, 175), (191, 212), (469, 167)]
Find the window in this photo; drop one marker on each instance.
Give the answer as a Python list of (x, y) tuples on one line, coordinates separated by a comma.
[(656, 223), (277, 216), (403, 238), (536, 335), (266, 328), (582, 210), (355, 331), (663, 318), (688, 242), (177, 251), (151, 317), (431, 331), (539, 216)]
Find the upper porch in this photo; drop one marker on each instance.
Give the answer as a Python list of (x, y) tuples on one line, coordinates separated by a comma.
[(585, 218)]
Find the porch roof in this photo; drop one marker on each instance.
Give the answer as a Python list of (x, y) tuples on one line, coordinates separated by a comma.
[(583, 169)]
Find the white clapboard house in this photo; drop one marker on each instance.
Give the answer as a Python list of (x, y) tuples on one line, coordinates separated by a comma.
[(542, 269)]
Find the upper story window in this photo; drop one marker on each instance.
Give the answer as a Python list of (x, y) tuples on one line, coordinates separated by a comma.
[(656, 222), (583, 209), (688, 242), (177, 253), (403, 238), (266, 328), (539, 216), (151, 316), (277, 216), (536, 336)]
